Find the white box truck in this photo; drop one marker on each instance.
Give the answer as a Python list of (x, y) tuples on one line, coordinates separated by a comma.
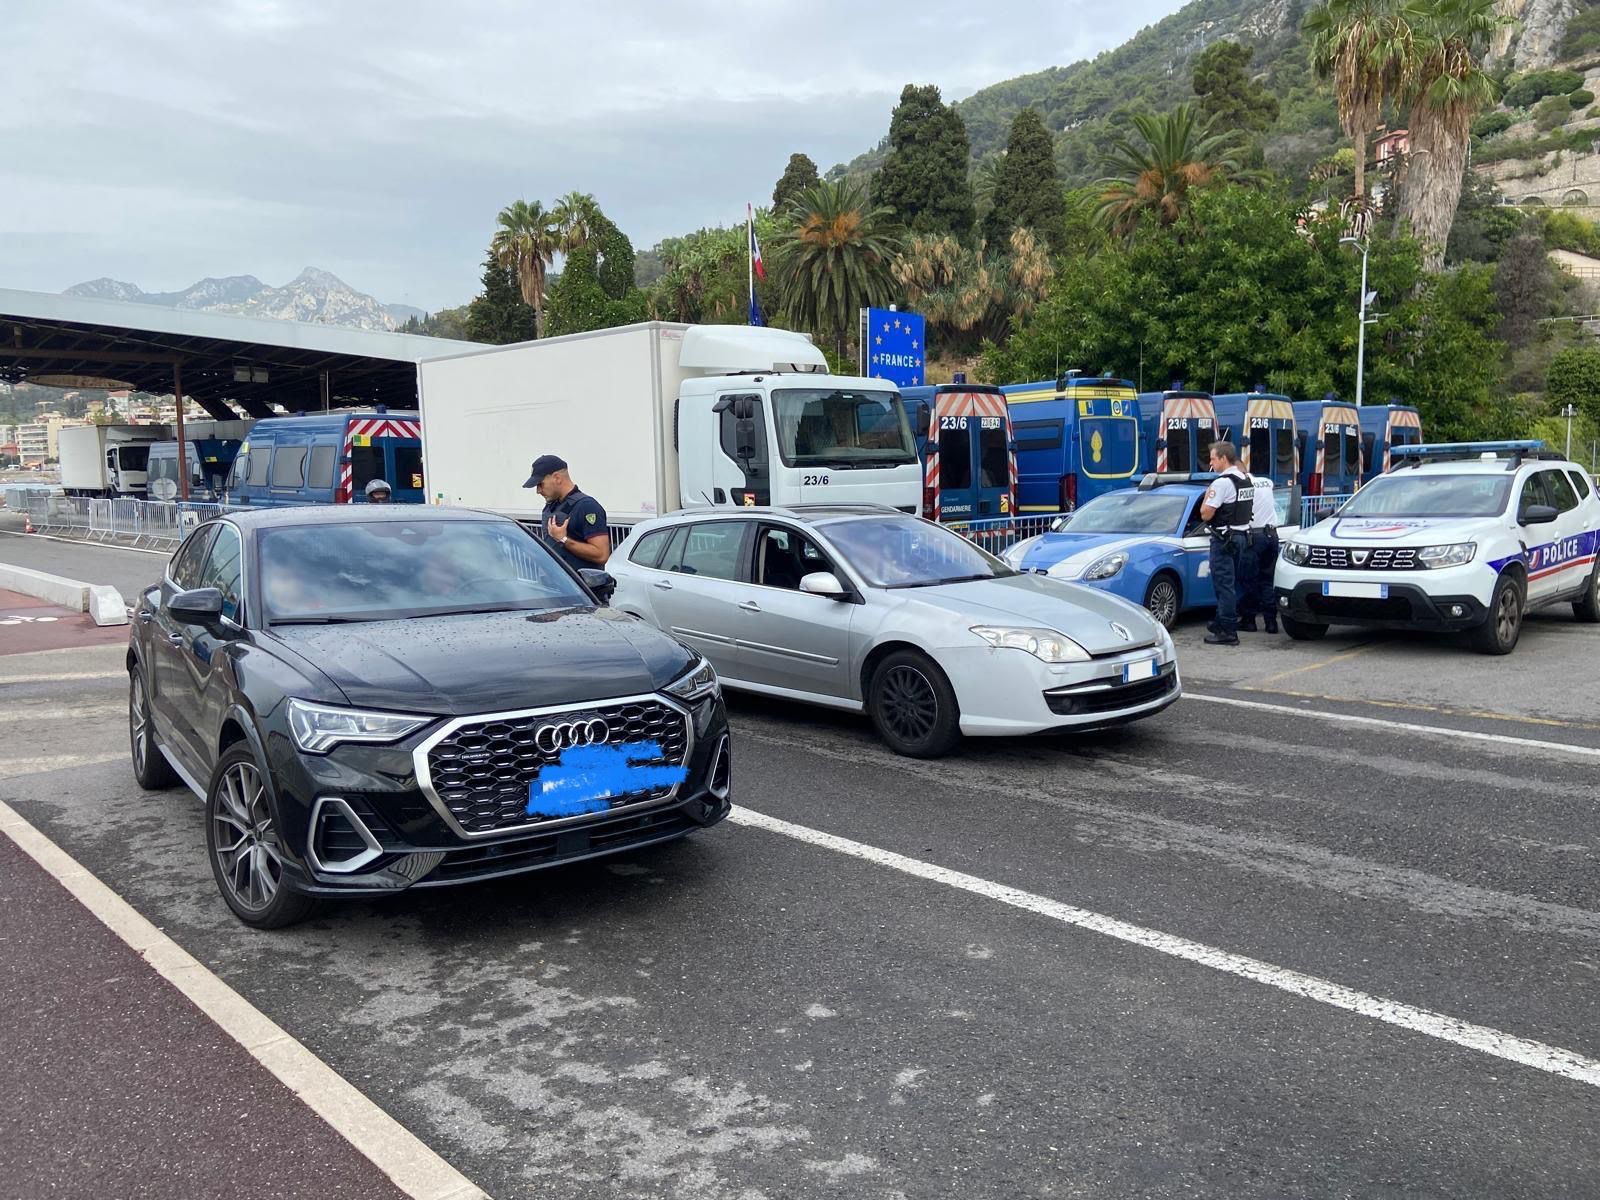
[(107, 460), (657, 417)]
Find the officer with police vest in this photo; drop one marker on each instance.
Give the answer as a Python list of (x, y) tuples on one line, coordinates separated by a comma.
[(1259, 561), (574, 524), (1227, 508)]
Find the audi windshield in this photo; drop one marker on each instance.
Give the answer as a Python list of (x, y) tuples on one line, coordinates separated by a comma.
[(388, 570), (842, 428), (1414, 495)]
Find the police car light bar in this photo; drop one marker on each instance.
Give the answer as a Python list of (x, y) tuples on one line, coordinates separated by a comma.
[(1439, 451), (1156, 479)]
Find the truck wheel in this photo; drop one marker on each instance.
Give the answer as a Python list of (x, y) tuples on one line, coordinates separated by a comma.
[(1499, 632), (1303, 631), (913, 706), (1588, 608), (1163, 600)]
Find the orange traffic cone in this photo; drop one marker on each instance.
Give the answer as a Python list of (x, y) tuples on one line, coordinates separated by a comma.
[(27, 523)]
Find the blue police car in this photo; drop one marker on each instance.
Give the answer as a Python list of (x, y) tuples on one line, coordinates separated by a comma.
[(1148, 545)]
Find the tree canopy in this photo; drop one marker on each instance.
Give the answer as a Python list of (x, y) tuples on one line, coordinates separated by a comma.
[(924, 181), (1028, 193)]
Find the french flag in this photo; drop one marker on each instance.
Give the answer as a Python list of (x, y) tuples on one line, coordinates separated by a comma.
[(755, 247)]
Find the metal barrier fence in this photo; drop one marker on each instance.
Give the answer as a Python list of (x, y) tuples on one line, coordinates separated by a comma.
[(130, 522), (1320, 508), (1000, 533)]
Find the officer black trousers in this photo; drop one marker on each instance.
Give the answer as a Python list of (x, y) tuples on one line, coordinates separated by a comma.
[(1226, 550), (1257, 562)]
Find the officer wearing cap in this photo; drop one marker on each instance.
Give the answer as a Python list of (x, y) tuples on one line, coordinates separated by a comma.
[(1227, 507), (1259, 561), (574, 523)]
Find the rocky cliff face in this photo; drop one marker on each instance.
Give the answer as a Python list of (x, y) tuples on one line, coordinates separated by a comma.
[(314, 295), (1531, 43)]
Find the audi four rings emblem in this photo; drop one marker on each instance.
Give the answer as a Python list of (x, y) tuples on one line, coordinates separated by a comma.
[(1121, 631), (551, 738)]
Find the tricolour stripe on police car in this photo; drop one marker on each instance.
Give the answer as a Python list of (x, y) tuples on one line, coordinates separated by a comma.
[(1540, 1056), (1470, 735)]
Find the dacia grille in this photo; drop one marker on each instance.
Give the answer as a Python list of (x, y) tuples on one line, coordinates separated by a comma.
[(1363, 558), (485, 772)]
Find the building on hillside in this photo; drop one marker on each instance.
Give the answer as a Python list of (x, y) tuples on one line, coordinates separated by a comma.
[(1394, 144)]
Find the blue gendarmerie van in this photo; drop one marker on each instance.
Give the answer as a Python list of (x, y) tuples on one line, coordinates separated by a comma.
[(328, 458)]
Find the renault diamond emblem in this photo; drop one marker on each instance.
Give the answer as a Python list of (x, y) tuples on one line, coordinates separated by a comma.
[(551, 738), (1360, 556), (1121, 631)]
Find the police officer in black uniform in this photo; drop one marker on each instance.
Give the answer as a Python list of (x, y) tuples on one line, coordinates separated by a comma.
[(1227, 509), (574, 524)]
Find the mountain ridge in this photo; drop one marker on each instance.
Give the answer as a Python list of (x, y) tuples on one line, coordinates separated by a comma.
[(314, 295)]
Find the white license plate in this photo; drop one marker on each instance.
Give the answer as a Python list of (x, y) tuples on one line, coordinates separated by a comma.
[(1143, 669), (1357, 591)]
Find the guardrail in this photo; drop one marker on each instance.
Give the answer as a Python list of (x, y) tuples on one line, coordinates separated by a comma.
[(999, 533), (129, 522), (1320, 508)]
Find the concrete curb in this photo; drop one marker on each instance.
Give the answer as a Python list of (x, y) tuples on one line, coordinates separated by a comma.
[(103, 603)]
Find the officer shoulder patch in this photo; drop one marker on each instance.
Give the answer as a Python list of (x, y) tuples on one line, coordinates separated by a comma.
[(589, 518)]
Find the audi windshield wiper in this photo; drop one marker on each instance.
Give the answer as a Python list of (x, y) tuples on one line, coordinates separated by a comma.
[(320, 620)]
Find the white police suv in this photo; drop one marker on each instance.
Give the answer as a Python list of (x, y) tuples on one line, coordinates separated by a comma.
[(1465, 536)]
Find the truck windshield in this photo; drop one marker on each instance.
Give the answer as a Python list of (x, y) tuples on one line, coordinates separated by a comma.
[(133, 458), (842, 428), (1431, 496)]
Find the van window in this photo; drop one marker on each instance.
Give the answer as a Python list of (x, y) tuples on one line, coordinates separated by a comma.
[(366, 464), (955, 455), (1330, 450), (1178, 459), (1285, 457), (288, 467), (1352, 453), (240, 471), (994, 458), (407, 467), (320, 473), (1205, 437), (1038, 435), (260, 466), (1368, 442)]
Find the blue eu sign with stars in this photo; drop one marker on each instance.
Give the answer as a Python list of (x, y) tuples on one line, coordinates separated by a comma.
[(893, 347)]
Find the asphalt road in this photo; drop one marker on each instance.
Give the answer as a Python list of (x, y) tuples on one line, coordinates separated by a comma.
[(1059, 967)]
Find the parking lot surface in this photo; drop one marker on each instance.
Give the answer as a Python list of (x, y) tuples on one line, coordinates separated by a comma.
[(1328, 927)]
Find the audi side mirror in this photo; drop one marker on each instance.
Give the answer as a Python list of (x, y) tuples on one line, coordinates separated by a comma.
[(1539, 514), (198, 606), (602, 583), (823, 583)]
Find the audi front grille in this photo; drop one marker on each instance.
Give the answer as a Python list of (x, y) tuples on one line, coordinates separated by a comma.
[(479, 771), (1363, 558)]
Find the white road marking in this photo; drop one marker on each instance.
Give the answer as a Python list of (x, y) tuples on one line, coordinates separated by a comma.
[(1540, 1056), (415, 1169), (64, 677), (1385, 723)]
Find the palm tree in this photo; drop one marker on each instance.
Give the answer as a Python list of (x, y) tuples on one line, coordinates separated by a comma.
[(1154, 174), (1446, 86), (969, 293), (579, 218), (835, 257), (527, 241), (1355, 44), (986, 181)]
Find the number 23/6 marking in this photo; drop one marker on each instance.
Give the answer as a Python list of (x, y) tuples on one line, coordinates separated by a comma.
[(814, 481)]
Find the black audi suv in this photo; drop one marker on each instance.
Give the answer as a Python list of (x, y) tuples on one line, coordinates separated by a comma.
[(370, 699)]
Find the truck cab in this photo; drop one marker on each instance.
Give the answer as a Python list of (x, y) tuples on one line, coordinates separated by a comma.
[(1077, 438), (1179, 429), (1262, 425), (1383, 428), (128, 468), (969, 467)]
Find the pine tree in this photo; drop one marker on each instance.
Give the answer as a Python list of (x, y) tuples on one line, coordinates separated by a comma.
[(924, 179), (498, 316), (1028, 195), (1229, 98), (800, 174)]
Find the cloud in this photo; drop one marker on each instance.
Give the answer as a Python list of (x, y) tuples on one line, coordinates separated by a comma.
[(165, 140)]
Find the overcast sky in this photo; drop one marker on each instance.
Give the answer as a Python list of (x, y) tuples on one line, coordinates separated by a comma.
[(160, 141)]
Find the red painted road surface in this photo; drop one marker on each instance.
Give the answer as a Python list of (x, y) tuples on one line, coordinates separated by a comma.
[(28, 624)]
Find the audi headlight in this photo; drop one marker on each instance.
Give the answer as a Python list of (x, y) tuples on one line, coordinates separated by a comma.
[(698, 682), (318, 728), (1044, 644), (1457, 555), (1294, 553), (1013, 555), (1105, 568)]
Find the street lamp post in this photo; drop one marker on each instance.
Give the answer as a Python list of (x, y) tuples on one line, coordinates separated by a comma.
[(1569, 412), (1361, 314)]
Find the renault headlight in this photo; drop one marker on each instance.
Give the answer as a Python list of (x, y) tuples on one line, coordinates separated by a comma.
[(1457, 555), (1294, 553), (318, 728), (695, 684), (1105, 568), (1013, 555), (1044, 644)]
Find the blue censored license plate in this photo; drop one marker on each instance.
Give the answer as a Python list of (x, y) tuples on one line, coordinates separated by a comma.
[(1357, 591), (1145, 668)]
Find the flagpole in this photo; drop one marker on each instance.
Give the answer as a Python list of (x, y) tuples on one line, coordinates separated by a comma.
[(749, 251)]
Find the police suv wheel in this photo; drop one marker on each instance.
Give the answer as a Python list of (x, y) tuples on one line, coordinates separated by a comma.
[(1588, 608), (1303, 631), (1499, 633)]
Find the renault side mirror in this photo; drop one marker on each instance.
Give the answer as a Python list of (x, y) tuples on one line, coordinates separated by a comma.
[(823, 583)]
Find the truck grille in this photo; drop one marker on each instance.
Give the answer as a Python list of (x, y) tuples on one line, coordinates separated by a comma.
[(481, 770), (1363, 558)]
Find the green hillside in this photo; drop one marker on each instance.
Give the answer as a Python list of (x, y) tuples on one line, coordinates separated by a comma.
[(1088, 102)]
